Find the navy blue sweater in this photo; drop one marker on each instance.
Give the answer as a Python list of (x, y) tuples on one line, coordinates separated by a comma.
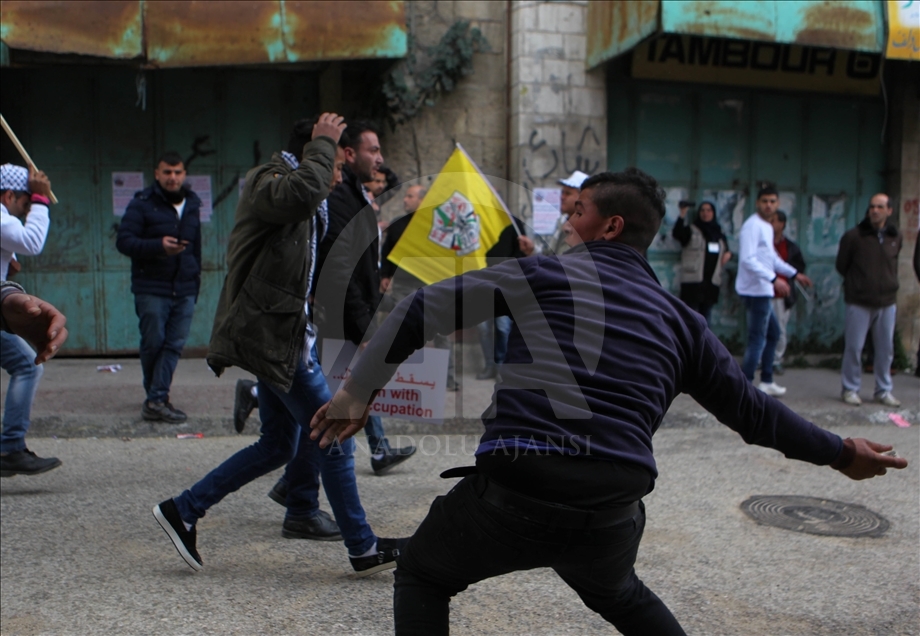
[(147, 220), (598, 352)]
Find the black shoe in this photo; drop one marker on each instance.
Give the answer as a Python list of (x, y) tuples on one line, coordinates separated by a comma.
[(162, 412), (279, 491), (487, 373), (25, 462), (319, 527), (387, 552), (391, 458), (243, 403), (167, 515)]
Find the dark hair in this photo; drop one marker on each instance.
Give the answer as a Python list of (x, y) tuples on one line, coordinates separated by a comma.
[(170, 158), (766, 190), (301, 135), (351, 138), (391, 177), (633, 195), (781, 216)]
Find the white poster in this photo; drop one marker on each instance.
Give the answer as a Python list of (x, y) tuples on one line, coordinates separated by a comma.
[(124, 185), (546, 204), (416, 392), (201, 185)]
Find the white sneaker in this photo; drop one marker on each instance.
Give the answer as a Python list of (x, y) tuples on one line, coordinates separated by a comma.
[(772, 388), (851, 397), (887, 399)]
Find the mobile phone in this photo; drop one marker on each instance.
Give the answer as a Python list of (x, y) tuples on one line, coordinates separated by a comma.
[(686, 204)]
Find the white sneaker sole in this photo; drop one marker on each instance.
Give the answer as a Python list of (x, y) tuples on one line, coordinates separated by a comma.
[(180, 547)]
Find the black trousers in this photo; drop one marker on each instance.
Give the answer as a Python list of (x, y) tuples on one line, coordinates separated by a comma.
[(465, 539)]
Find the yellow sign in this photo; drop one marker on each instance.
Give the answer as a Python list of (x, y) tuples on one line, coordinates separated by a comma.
[(457, 222), (692, 58), (903, 30)]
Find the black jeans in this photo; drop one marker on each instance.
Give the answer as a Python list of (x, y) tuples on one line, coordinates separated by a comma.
[(464, 540)]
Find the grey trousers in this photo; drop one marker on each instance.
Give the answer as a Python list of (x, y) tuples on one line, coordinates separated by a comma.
[(782, 317), (860, 321)]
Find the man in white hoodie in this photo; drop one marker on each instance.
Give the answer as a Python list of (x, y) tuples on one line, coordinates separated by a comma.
[(760, 271), (24, 201)]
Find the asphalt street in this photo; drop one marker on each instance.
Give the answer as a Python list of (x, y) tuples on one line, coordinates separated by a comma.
[(80, 552)]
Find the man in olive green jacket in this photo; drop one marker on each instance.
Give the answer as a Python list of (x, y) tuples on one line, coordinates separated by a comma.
[(262, 326)]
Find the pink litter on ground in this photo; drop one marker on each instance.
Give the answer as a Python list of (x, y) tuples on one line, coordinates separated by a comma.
[(898, 420), (189, 435)]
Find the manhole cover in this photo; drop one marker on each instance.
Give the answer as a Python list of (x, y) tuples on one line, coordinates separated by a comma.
[(815, 516)]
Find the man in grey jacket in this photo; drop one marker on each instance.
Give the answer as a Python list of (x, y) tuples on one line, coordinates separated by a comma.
[(262, 325)]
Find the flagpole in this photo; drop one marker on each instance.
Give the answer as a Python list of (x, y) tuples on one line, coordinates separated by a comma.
[(22, 150), (489, 183)]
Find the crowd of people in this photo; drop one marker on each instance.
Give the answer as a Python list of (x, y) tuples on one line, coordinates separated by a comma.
[(587, 347)]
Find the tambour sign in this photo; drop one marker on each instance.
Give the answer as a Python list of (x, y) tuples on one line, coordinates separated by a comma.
[(691, 58)]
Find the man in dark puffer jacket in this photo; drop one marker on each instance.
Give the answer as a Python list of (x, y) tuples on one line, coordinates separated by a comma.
[(161, 233)]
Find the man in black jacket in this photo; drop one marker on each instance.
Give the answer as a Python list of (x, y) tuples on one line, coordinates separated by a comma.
[(867, 258), (161, 233), (355, 271), (782, 307)]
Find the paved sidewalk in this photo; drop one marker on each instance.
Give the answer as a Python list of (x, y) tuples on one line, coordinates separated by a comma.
[(74, 400)]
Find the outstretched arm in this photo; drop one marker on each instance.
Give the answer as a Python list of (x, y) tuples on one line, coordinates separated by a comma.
[(36, 321)]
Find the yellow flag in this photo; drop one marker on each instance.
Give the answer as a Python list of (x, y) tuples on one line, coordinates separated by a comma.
[(457, 222)]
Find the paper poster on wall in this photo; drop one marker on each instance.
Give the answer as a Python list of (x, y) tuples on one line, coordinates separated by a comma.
[(546, 204), (124, 185), (201, 185), (416, 392)]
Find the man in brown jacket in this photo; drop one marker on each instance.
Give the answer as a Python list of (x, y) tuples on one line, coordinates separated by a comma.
[(868, 261)]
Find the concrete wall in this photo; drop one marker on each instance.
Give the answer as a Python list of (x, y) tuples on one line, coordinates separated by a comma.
[(905, 196), (474, 114), (558, 119)]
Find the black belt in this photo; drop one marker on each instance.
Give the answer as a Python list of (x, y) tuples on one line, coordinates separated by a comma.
[(544, 512)]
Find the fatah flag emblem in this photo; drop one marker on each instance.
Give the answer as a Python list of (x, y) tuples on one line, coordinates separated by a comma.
[(455, 225)]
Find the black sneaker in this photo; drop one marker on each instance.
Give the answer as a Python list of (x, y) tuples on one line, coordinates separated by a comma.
[(279, 491), (25, 462), (162, 412), (167, 515), (319, 527), (387, 552), (391, 458), (243, 403)]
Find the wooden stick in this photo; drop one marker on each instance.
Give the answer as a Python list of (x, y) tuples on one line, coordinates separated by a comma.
[(22, 151)]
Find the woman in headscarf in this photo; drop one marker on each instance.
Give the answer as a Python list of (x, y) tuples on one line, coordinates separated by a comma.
[(704, 254)]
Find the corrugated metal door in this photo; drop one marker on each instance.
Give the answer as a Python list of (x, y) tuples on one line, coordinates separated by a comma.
[(824, 154), (81, 124)]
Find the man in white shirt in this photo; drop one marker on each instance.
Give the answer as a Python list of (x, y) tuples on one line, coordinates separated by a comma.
[(571, 188), (757, 284), (24, 201)]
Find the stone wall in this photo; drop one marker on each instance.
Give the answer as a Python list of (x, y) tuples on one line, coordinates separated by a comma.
[(558, 120), (474, 114)]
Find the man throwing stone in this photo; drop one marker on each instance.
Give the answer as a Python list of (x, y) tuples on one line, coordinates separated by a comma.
[(161, 233), (598, 353)]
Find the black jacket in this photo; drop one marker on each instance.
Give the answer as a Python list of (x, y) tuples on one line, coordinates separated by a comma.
[(347, 290), (869, 266), (147, 220)]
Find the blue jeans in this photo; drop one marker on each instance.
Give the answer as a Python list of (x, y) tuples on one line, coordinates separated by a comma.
[(164, 326), (763, 334), (494, 348), (285, 439), (17, 359)]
